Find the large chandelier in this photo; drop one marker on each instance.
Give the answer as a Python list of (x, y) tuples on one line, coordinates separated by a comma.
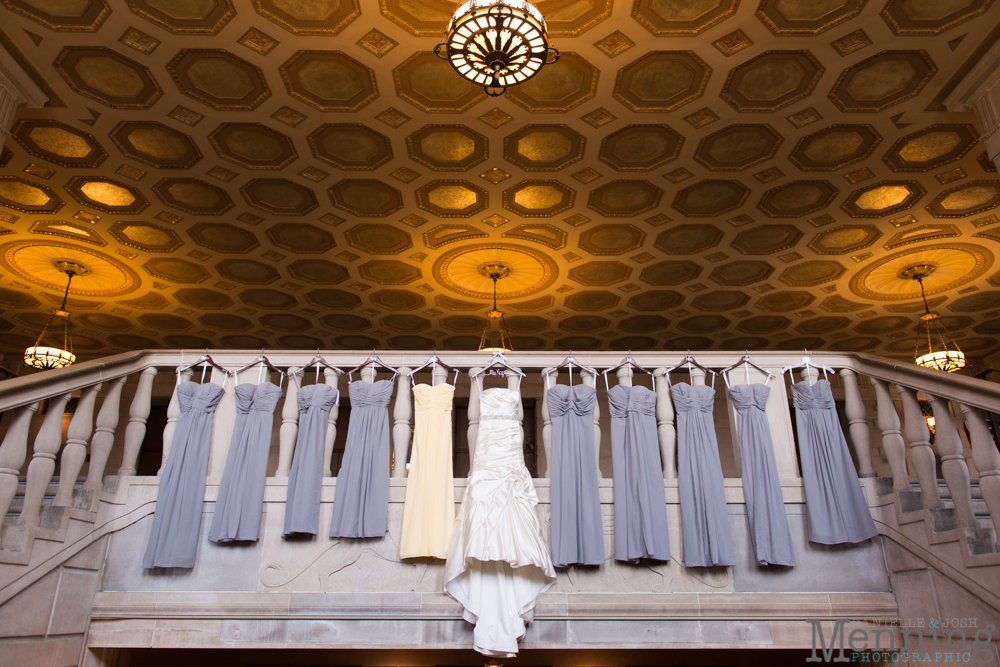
[(47, 357), (495, 336), (935, 347), (497, 43)]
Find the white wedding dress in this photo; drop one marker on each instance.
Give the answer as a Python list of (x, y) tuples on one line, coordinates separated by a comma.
[(498, 563)]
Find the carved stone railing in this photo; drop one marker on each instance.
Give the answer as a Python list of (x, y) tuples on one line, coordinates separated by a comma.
[(103, 382)]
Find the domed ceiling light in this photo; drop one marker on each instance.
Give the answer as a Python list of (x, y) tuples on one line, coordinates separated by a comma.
[(49, 357), (935, 348), (495, 336), (497, 43)]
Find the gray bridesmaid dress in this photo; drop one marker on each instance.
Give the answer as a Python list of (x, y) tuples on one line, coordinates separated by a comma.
[(640, 501), (704, 517), (577, 531), (305, 479), (361, 499), (835, 503), (241, 493), (769, 534), (173, 539)]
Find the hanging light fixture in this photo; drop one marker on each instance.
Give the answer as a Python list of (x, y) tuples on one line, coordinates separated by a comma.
[(935, 348), (497, 43), (48, 357), (495, 337)]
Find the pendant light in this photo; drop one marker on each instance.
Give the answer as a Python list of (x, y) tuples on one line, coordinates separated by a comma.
[(46, 357), (935, 347), (495, 336), (497, 43)]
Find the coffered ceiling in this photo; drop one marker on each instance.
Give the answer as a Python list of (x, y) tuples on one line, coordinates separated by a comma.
[(691, 174)]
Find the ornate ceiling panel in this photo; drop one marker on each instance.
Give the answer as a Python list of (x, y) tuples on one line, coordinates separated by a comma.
[(708, 173)]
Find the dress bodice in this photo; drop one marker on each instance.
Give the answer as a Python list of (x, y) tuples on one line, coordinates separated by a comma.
[(370, 394), (498, 444), (263, 397), (320, 396), (692, 397), (578, 399), (817, 396), (746, 396), (623, 399), (499, 402), (199, 397), (436, 397)]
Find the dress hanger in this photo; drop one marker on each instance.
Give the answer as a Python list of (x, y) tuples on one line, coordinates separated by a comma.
[(318, 361), (569, 361), (807, 362), (690, 361), (205, 361), (372, 361), (263, 361), (746, 362), (497, 360), (631, 363), (433, 361)]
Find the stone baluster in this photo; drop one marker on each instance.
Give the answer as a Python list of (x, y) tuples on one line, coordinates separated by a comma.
[(514, 383), (474, 412), (332, 378), (892, 438), (590, 379), (12, 454), (104, 434), (697, 376), (43, 461), (857, 419), (665, 431), (289, 429), (809, 374), (402, 416), (173, 414), (438, 376), (75, 452), (547, 381), (138, 413), (986, 458), (624, 375), (921, 453), (953, 465)]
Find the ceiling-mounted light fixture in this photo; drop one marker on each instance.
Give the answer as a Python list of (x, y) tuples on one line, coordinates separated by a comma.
[(47, 357), (495, 336), (497, 43), (935, 348)]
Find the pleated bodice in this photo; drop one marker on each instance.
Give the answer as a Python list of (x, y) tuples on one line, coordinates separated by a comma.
[(370, 394), (746, 396), (316, 396), (817, 396), (578, 400), (194, 397), (427, 398), (256, 397)]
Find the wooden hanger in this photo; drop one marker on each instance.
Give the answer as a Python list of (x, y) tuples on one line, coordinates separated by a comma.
[(690, 361), (318, 361), (631, 363), (372, 361), (263, 361), (746, 362), (434, 360), (205, 361), (569, 362)]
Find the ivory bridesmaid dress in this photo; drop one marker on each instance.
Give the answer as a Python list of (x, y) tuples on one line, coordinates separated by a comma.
[(429, 507)]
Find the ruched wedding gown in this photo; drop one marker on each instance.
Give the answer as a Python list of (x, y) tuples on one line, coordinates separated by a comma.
[(498, 563)]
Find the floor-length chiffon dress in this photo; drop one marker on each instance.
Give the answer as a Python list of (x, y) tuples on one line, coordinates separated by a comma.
[(577, 530), (240, 502), (361, 498), (770, 537), (640, 500), (429, 504), (835, 502), (173, 538), (305, 479), (704, 515), (498, 563)]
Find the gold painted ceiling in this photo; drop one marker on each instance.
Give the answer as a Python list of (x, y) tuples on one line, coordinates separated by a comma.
[(692, 174)]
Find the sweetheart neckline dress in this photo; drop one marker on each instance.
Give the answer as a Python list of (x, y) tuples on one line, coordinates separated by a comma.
[(429, 503), (835, 502), (498, 562), (305, 479), (240, 502), (180, 498)]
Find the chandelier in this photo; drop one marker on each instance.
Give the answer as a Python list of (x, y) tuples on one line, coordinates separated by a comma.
[(495, 337), (49, 357), (497, 43), (935, 347)]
